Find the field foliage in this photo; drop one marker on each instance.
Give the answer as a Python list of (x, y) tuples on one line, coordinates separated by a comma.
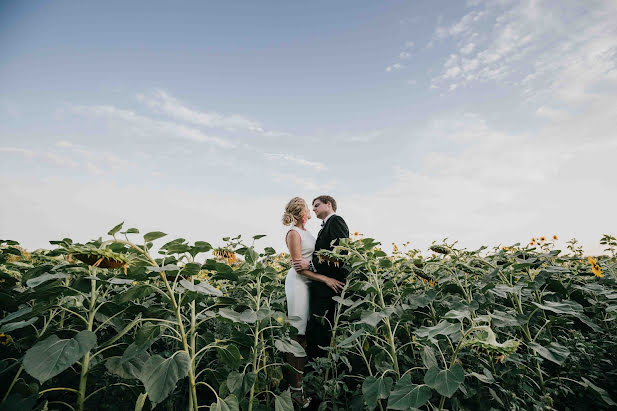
[(107, 325)]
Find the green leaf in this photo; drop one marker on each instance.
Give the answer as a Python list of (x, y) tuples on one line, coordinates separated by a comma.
[(247, 316), (283, 402), (375, 389), (240, 383), (443, 328), (230, 403), (428, 357), (154, 235), (372, 318), (50, 357), (603, 394), (190, 269), (16, 314), (229, 355), (132, 231), (115, 229), (290, 346), (129, 369), (258, 236), (407, 395), (251, 256), (160, 375), (33, 282), (564, 307), (553, 352), (202, 288), (137, 292), (17, 325), (486, 377), (445, 382)]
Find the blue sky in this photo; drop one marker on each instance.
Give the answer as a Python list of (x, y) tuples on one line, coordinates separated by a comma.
[(483, 121)]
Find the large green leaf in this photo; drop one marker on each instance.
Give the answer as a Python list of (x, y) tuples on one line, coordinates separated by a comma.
[(290, 346), (283, 402), (229, 355), (137, 292), (160, 375), (230, 403), (129, 369), (374, 389), (428, 357), (202, 288), (602, 392), (33, 282), (247, 316), (16, 314), (17, 325), (154, 235), (564, 307), (553, 352), (407, 395), (50, 357), (445, 382), (240, 383), (443, 328)]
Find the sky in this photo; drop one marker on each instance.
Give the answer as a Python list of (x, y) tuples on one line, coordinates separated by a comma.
[(484, 122)]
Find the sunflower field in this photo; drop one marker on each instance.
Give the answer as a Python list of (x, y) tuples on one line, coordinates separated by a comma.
[(109, 325)]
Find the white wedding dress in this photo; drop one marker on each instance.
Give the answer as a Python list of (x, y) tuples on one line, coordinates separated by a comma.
[(296, 285)]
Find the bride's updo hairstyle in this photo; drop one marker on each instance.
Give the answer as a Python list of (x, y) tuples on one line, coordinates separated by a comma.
[(293, 211)]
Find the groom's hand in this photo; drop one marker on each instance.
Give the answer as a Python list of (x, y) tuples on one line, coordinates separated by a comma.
[(300, 265)]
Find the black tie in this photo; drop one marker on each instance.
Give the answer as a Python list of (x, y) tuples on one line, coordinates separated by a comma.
[(323, 223)]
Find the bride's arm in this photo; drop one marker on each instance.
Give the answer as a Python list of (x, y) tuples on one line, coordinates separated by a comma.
[(294, 243)]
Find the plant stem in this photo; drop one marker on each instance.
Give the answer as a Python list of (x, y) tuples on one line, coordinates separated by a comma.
[(255, 344), (81, 398)]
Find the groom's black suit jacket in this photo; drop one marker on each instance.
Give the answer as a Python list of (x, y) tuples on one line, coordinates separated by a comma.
[(334, 229)]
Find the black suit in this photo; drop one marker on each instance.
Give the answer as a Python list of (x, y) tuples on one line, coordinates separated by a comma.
[(318, 332)]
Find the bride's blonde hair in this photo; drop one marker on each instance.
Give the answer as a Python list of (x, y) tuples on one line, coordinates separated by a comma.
[(293, 211)]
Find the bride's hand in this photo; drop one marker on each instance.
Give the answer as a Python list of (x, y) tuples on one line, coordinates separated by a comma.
[(300, 265), (336, 285)]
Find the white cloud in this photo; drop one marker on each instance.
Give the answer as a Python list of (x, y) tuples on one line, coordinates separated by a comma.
[(394, 67), (46, 155), (404, 55), (541, 33), (304, 184), (147, 127), (296, 160), (163, 102), (409, 44), (468, 48)]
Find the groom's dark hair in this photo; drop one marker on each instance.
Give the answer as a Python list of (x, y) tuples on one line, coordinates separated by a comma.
[(326, 199)]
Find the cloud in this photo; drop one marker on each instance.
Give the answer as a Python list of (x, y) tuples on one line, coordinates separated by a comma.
[(494, 187), (536, 32), (304, 184), (404, 55), (468, 48), (45, 155), (409, 44), (296, 160), (394, 67), (146, 127), (163, 102)]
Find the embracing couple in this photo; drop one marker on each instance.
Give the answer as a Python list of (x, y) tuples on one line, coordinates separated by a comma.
[(311, 282)]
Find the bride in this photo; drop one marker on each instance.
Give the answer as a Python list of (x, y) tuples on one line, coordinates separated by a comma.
[(301, 244)]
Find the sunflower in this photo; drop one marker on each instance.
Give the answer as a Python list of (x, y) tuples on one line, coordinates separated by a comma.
[(4, 339), (595, 267), (223, 254), (555, 237), (542, 238)]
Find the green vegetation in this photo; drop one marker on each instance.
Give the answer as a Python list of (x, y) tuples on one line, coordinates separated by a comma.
[(107, 325)]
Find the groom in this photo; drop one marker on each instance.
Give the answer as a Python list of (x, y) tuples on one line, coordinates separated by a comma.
[(333, 228)]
